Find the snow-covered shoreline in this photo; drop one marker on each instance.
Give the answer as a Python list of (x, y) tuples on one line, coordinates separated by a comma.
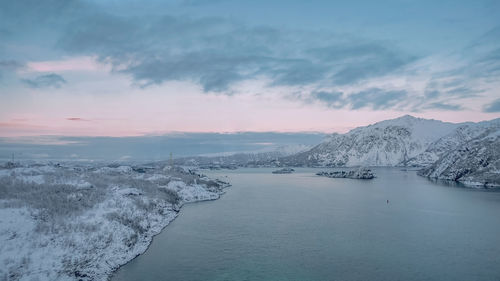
[(83, 223), (475, 164)]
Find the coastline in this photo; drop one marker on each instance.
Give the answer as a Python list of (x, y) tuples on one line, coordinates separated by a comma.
[(148, 243), (69, 223)]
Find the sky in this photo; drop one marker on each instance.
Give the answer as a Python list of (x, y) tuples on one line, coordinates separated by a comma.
[(151, 148), (132, 68)]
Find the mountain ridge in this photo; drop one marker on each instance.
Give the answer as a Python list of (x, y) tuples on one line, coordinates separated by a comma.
[(386, 143)]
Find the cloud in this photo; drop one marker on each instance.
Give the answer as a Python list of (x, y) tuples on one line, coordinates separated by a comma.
[(200, 2), (36, 14), (331, 99), (445, 86), (294, 72), (45, 81), (377, 99), (463, 91), (444, 106), (431, 94), (492, 107), (217, 53), (372, 98), (482, 57), (362, 60), (10, 66), (76, 119), (40, 140)]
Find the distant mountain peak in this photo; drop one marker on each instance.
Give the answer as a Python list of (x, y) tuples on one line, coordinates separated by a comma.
[(408, 117), (406, 140), (385, 143)]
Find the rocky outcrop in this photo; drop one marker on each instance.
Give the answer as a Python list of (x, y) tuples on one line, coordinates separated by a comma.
[(363, 173), (475, 163), (465, 133), (284, 171)]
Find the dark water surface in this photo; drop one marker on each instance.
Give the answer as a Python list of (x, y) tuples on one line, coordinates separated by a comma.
[(304, 227)]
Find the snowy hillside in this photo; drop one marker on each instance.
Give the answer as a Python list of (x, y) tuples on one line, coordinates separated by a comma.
[(463, 134), (476, 162), (82, 222), (387, 143)]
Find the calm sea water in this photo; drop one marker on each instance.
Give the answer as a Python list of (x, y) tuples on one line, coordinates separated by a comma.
[(304, 227)]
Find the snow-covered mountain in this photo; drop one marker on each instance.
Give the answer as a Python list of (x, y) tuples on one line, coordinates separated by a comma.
[(475, 162), (465, 133), (387, 143)]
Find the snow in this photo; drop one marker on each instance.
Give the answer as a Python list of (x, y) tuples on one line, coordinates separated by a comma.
[(457, 138), (120, 169), (424, 130), (78, 183), (127, 191), (193, 192), (473, 163), (386, 143), (360, 173), (38, 179), (404, 141), (81, 223), (156, 177), (467, 152)]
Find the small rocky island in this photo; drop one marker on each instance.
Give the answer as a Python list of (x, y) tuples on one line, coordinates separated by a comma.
[(363, 173), (284, 171)]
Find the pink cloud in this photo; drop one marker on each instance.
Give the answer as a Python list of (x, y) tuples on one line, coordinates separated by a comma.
[(19, 120), (76, 119), (129, 111), (40, 140), (71, 64)]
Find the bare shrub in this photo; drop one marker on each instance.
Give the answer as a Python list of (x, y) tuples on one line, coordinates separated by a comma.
[(170, 196), (51, 200), (132, 223), (162, 181)]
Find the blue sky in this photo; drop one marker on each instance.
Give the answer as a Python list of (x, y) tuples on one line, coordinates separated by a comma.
[(132, 68)]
